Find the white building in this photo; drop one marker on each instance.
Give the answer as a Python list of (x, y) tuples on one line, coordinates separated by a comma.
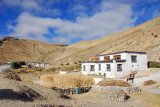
[(114, 65), (37, 64)]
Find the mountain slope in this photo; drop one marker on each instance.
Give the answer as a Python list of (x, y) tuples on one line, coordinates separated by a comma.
[(13, 49), (144, 37)]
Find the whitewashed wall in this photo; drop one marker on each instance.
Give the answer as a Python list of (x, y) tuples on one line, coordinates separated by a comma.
[(127, 66)]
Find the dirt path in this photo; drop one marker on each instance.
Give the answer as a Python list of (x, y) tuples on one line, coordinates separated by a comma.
[(4, 68)]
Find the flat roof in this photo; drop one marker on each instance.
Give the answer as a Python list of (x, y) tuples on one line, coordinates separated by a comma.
[(106, 61), (124, 52)]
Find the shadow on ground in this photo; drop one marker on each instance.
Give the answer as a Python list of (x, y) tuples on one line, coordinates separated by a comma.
[(11, 95)]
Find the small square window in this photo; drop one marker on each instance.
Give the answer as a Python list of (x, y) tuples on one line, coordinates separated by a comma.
[(133, 58), (119, 67), (92, 68), (117, 56)]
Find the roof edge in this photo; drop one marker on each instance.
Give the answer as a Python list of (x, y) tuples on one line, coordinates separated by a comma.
[(123, 52)]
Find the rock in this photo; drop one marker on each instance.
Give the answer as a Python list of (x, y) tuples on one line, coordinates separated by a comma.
[(27, 93), (13, 76)]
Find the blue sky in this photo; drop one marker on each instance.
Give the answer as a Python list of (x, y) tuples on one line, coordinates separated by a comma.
[(71, 21)]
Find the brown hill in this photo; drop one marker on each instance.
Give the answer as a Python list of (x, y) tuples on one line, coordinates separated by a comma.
[(12, 49), (144, 37)]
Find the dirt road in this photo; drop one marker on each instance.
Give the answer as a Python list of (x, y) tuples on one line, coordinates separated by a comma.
[(4, 68)]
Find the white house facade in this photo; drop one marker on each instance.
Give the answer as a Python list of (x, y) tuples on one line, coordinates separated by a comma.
[(118, 64), (36, 64)]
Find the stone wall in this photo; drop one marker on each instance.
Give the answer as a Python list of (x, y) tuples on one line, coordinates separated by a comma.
[(107, 89), (116, 93)]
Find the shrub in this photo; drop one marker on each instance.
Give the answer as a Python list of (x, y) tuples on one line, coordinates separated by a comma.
[(53, 69), (149, 82), (39, 69), (79, 67), (29, 66), (67, 63), (153, 64), (114, 83), (2, 63), (79, 61), (14, 65), (13, 76), (21, 63)]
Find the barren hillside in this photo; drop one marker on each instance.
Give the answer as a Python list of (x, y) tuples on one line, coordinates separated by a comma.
[(144, 37), (12, 49)]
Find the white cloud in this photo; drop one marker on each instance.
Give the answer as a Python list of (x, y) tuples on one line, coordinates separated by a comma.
[(34, 6), (62, 40), (78, 9), (111, 18)]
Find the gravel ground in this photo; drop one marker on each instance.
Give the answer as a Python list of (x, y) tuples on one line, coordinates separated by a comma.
[(51, 97)]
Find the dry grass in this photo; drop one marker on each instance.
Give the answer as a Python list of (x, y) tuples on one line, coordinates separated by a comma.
[(71, 67), (149, 82), (114, 83), (67, 80)]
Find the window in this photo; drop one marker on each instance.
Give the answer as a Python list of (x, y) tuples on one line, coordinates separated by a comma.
[(119, 67), (99, 67), (117, 56), (106, 57), (108, 67), (92, 68), (134, 58), (84, 68), (96, 58)]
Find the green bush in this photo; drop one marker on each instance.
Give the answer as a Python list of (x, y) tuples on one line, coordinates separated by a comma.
[(79, 67), (14, 65), (2, 63), (21, 63), (29, 66)]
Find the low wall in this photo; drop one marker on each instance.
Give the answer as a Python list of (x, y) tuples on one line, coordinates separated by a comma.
[(113, 89), (72, 90)]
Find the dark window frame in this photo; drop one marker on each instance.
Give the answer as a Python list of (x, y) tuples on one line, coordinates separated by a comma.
[(84, 67), (119, 69), (99, 67), (92, 69), (108, 65), (133, 59)]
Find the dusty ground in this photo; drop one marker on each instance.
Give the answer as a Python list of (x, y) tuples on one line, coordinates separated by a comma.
[(50, 97), (150, 71)]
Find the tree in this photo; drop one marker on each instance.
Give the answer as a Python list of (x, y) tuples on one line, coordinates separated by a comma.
[(14, 65)]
